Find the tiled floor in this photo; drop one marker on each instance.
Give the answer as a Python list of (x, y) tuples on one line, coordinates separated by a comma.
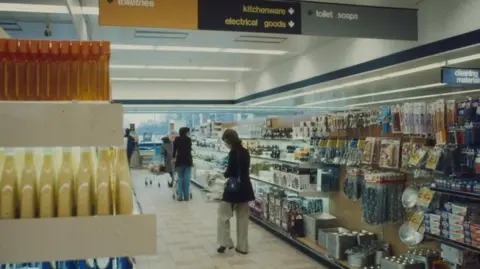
[(186, 236)]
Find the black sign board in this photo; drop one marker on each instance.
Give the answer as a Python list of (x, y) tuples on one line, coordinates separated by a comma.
[(249, 16)]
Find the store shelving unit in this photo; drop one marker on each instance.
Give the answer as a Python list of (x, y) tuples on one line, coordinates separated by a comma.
[(69, 124), (464, 194), (452, 243), (305, 193), (300, 244)]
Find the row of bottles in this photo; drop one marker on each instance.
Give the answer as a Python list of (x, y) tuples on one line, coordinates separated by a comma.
[(70, 182), (36, 70)]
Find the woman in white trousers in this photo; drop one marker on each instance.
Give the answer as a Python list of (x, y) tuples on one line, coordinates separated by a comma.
[(238, 167)]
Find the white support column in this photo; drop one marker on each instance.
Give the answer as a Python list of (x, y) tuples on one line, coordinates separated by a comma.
[(77, 18)]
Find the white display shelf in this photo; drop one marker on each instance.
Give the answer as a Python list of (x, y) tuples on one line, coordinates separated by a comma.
[(299, 164), (61, 124), (53, 239), (303, 193)]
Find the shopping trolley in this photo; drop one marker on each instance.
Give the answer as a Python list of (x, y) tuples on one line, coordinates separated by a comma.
[(156, 168)]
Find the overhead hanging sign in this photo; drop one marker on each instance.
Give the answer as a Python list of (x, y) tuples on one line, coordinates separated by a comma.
[(149, 13), (460, 76), (282, 17), (324, 19), (249, 16)]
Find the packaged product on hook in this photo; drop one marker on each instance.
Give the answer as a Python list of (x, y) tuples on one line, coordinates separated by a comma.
[(381, 198), (418, 158), (433, 158), (396, 121), (389, 153), (369, 150), (353, 184)]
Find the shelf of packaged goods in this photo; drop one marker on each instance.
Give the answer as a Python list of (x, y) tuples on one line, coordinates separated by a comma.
[(73, 238), (452, 243), (303, 193), (470, 195), (292, 162), (296, 140), (299, 244), (61, 124)]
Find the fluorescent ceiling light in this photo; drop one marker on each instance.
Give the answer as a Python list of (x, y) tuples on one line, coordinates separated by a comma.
[(415, 70), (374, 94), (213, 68), (49, 9), (255, 51), (166, 67), (170, 79), (196, 49), (171, 67), (34, 8), (414, 98), (127, 66), (131, 47), (90, 10), (205, 80), (125, 79), (356, 82), (464, 59), (191, 49)]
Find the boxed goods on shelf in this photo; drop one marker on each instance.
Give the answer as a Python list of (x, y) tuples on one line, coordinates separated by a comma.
[(316, 221)]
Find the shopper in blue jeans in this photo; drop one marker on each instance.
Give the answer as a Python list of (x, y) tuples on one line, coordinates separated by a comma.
[(182, 154)]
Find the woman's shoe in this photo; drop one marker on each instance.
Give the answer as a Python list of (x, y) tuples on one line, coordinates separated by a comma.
[(241, 252), (222, 249)]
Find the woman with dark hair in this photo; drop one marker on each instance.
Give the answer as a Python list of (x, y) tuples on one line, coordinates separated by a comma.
[(235, 200), (130, 144), (167, 153), (182, 154)]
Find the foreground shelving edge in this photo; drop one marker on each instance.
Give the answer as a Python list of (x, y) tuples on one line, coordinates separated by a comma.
[(77, 238)]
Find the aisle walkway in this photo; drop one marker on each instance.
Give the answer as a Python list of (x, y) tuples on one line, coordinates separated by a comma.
[(186, 236)]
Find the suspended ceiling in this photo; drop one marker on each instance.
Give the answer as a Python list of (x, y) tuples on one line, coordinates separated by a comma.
[(261, 51)]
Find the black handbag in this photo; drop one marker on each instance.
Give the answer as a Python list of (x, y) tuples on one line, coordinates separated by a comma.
[(233, 183)]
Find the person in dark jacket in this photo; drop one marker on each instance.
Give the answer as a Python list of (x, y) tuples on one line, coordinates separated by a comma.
[(238, 167), (182, 154), (130, 144), (167, 153)]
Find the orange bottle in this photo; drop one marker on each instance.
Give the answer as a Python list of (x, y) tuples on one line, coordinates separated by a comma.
[(23, 92), (74, 66), (86, 91), (65, 89), (3, 68), (94, 64), (44, 66), (34, 70), (54, 74), (104, 70), (11, 92)]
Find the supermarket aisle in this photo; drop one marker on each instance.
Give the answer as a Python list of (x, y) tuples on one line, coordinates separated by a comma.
[(186, 236)]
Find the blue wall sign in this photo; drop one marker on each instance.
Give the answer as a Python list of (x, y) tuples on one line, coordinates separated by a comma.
[(460, 76)]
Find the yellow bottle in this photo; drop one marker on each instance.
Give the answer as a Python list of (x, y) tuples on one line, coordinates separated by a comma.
[(104, 200), (27, 190), (64, 187), (8, 181), (46, 187), (84, 179), (123, 184)]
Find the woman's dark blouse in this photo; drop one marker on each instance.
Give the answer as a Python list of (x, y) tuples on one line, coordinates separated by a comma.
[(239, 164), (182, 151)]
